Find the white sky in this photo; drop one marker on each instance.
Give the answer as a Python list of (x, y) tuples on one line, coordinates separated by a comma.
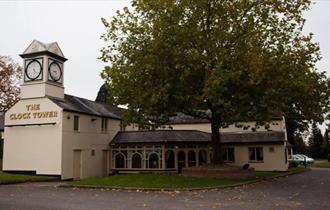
[(76, 26)]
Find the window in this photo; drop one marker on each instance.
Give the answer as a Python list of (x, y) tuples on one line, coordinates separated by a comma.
[(104, 126), (256, 154), (228, 154), (76, 123), (153, 160)]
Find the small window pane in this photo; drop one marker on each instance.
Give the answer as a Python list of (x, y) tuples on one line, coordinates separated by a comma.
[(228, 154), (252, 153), (104, 125), (231, 155), (260, 156), (76, 123), (256, 154)]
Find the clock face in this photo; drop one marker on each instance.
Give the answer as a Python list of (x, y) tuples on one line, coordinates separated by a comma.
[(33, 70), (55, 72)]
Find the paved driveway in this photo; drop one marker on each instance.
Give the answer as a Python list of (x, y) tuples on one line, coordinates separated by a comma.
[(309, 190)]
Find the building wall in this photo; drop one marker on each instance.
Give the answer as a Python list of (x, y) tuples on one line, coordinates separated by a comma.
[(41, 89), (89, 137), (276, 125), (31, 147), (272, 161)]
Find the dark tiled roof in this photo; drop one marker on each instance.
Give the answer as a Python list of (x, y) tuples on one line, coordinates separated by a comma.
[(161, 136), (2, 121), (84, 106), (175, 136), (181, 118), (253, 137)]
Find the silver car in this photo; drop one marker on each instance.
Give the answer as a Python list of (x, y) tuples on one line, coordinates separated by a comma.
[(300, 158)]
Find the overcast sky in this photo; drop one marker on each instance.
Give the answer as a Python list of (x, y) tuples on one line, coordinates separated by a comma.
[(76, 26)]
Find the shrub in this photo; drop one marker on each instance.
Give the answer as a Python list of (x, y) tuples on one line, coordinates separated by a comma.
[(293, 164)]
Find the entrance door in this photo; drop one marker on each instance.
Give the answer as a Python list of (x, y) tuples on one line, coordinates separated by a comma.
[(181, 161), (76, 164), (136, 161), (104, 162)]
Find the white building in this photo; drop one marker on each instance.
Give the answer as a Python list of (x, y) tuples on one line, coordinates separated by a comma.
[(50, 133)]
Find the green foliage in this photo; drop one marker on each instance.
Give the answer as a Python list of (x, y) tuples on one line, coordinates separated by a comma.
[(225, 61), (293, 164), (299, 146), (326, 144), (315, 142), (103, 96)]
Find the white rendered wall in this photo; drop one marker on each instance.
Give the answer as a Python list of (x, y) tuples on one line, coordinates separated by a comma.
[(41, 89), (88, 138), (272, 161), (33, 147)]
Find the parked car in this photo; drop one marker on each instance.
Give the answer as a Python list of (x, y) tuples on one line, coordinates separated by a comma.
[(300, 158), (308, 159)]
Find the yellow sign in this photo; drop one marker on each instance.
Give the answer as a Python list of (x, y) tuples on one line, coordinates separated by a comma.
[(33, 112)]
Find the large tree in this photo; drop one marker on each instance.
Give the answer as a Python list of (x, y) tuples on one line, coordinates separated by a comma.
[(104, 96), (315, 142), (224, 61), (10, 75)]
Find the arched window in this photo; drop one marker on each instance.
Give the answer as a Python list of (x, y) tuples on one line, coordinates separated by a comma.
[(153, 160), (202, 157), (181, 160), (169, 157), (136, 161), (120, 160), (191, 158)]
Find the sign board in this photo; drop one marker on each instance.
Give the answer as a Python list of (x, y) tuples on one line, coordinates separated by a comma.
[(33, 111)]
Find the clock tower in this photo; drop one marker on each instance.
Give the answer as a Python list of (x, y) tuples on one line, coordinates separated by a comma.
[(43, 71)]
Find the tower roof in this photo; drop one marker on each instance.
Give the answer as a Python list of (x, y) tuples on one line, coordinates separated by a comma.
[(38, 48)]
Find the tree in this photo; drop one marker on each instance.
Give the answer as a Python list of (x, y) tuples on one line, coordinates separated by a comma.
[(224, 61), (295, 126), (10, 75), (315, 142), (103, 96), (300, 146), (326, 143)]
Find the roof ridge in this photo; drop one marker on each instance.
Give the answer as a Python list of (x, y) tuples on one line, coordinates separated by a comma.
[(92, 101), (246, 132), (84, 105), (161, 130)]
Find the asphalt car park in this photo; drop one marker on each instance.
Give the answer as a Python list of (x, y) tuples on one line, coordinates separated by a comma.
[(308, 190)]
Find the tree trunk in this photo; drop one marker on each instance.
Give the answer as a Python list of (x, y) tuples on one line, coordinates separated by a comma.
[(216, 139)]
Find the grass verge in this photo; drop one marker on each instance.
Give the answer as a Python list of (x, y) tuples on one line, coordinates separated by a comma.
[(17, 178), (170, 181), (321, 165)]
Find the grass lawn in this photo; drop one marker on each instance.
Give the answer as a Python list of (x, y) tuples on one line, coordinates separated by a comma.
[(171, 180), (321, 165), (270, 174), (16, 178)]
